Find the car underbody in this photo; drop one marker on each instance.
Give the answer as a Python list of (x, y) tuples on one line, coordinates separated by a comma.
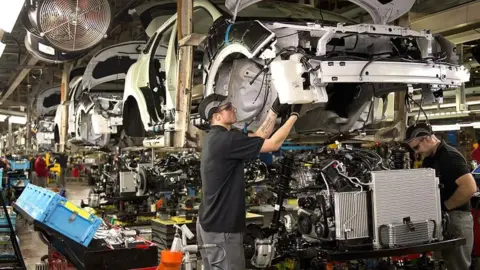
[(339, 72)]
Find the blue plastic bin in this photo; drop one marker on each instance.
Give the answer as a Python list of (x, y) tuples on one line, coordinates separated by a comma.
[(18, 181), (18, 165), (59, 214)]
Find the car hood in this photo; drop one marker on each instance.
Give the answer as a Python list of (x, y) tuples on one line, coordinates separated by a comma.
[(152, 15), (111, 63), (47, 101), (381, 13)]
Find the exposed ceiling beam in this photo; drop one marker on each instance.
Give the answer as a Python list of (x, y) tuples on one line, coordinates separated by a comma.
[(17, 66), (9, 112), (11, 103), (353, 13), (451, 93), (29, 60), (464, 37), (459, 24), (451, 21)]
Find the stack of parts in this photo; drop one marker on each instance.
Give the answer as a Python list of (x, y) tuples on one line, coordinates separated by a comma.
[(163, 232), (120, 237)]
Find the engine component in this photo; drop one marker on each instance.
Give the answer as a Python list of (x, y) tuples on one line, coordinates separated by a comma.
[(127, 183), (305, 177), (255, 171), (407, 233), (141, 180), (393, 199), (264, 253), (399, 158), (351, 215), (93, 199)]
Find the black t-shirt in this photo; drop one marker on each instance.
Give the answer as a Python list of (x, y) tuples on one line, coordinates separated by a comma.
[(223, 185), (62, 160), (449, 165)]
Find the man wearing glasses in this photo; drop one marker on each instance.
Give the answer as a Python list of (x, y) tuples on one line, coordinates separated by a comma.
[(221, 217), (458, 186)]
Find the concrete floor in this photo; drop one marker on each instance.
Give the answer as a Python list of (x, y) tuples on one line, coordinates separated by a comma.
[(30, 244)]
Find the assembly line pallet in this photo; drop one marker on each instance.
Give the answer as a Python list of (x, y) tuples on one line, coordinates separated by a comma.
[(96, 255), (391, 252)]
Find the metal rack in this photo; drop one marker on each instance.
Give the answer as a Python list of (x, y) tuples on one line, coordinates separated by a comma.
[(16, 261)]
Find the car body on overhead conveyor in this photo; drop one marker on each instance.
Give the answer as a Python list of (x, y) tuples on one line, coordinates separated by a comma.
[(94, 104), (342, 70), (46, 104)]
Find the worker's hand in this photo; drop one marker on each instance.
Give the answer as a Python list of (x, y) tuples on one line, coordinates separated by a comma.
[(296, 108), (447, 205), (279, 108)]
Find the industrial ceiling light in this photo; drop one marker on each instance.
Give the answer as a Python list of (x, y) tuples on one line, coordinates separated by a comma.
[(3, 117), (445, 127), (21, 120), (9, 14)]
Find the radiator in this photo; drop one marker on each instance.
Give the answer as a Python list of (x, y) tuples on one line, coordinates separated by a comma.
[(351, 215), (400, 194), (401, 235)]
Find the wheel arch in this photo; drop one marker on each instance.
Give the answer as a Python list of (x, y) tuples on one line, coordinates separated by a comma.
[(132, 119)]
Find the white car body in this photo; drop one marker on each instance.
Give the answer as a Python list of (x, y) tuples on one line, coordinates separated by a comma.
[(46, 104), (146, 107), (313, 46), (94, 105)]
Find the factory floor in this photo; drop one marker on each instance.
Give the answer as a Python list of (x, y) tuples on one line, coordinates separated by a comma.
[(30, 244)]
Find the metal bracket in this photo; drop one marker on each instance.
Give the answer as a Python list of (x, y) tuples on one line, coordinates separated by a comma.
[(322, 42), (192, 40)]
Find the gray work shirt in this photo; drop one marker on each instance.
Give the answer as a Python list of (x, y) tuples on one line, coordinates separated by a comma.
[(223, 185)]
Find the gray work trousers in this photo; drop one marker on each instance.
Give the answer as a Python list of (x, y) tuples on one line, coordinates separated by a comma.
[(61, 178), (461, 225), (233, 257), (40, 181)]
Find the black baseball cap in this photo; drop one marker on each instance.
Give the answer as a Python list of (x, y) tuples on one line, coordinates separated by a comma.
[(418, 130), (210, 105)]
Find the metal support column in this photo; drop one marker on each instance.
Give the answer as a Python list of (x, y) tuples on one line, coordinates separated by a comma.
[(67, 67), (460, 98), (184, 82), (28, 134), (10, 137), (400, 110)]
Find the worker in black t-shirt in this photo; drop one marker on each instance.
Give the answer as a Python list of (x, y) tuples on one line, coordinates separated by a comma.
[(458, 186), (221, 217)]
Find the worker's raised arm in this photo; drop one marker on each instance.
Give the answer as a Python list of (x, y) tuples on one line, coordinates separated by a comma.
[(266, 129), (277, 139)]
